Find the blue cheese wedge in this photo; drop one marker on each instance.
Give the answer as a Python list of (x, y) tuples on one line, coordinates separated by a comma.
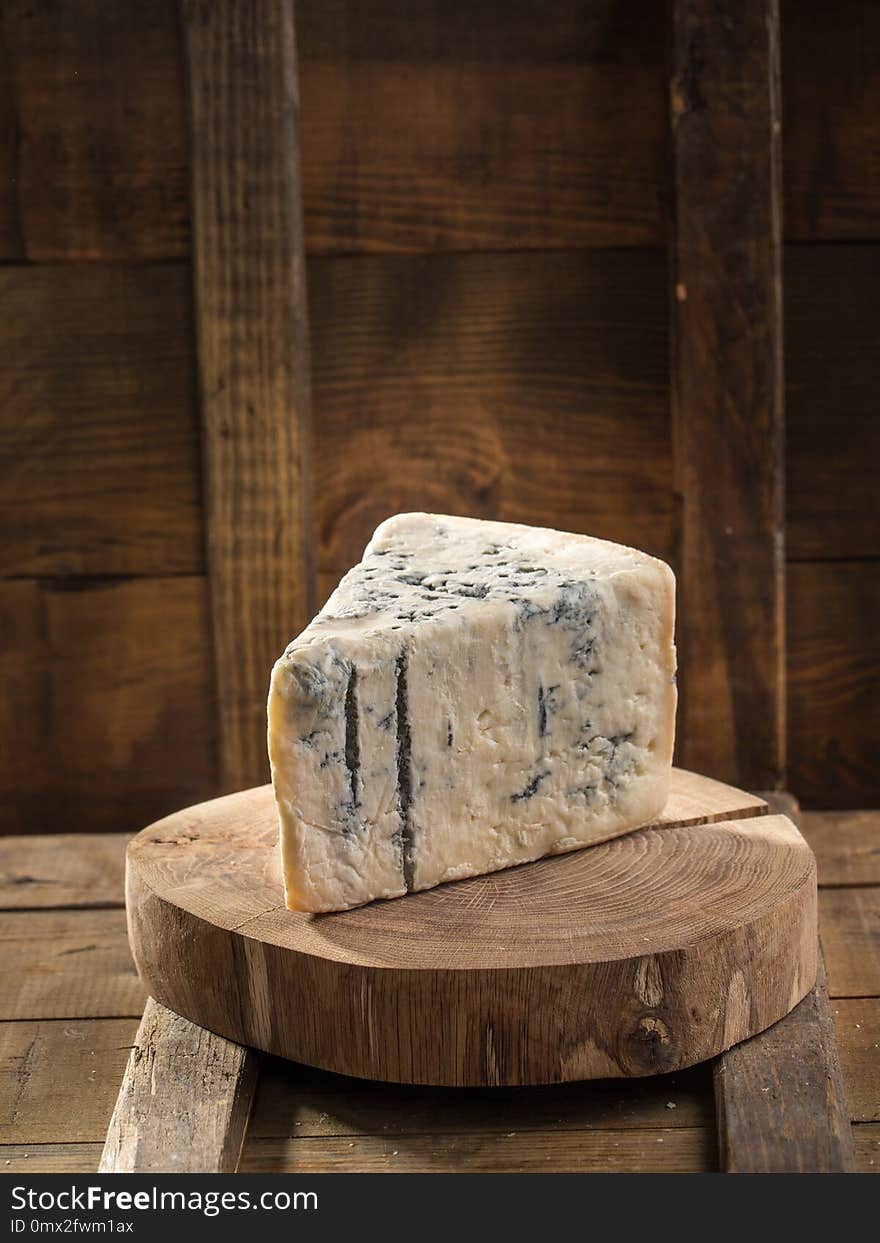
[(473, 695)]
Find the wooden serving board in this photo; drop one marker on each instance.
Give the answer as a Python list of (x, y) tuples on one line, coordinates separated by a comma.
[(640, 955)]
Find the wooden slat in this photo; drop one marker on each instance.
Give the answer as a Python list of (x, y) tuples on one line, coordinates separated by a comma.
[(867, 1144), (727, 387), (296, 1101), (95, 165), (49, 1158), (653, 1151), (99, 469), (539, 382), (59, 1079), (107, 707), (831, 93), (846, 845), (481, 127), (67, 964), (780, 1098), (832, 298), (253, 354), (780, 1101), (849, 921), (857, 1025), (62, 870), (833, 669), (184, 1103)]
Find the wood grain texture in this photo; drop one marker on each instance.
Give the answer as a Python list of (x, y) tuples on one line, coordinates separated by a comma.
[(67, 964), (107, 712), (50, 1158), (184, 1103), (99, 464), (59, 1079), (93, 103), (833, 671), (849, 923), (780, 1098), (578, 1152), (857, 1026), (62, 870), (253, 355), (553, 971), (539, 382), (295, 1101), (727, 387), (832, 298), (846, 845), (831, 100), (485, 127), (867, 1145)]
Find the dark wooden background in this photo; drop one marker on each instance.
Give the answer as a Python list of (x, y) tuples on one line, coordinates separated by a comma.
[(486, 190)]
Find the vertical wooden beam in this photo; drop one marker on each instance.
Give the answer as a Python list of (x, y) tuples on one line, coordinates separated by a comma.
[(727, 387), (253, 354)]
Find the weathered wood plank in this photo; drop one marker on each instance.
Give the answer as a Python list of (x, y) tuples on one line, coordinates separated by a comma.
[(49, 1158), (481, 127), (62, 870), (540, 382), (846, 845), (107, 706), (688, 1149), (727, 387), (94, 93), (857, 1024), (849, 921), (253, 354), (296, 1101), (99, 465), (832, 298), (867, 1144), (67, 964), (833, 664), (780, 1098), (184, 1103), (831, 94), (59, 1079)]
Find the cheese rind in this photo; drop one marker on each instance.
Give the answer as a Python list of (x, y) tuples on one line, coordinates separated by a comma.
[(472, 696)]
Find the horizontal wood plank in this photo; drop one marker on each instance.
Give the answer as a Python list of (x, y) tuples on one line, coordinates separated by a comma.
[(483, 127), (846, 845), (50, 1158), (832, 309), (833, 665), (67, 964), (107, 709), (867, 1144), (59, 1079), (96, 163), (296, 1101), (688, 1149), (857, 1024), (62, 870), (522, 387), (831, 98), (99, 459), (849, 924)]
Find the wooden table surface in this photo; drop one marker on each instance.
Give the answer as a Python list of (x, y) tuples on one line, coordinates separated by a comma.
[(70, 1003)]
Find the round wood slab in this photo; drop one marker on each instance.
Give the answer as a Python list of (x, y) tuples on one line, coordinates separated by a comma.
[(644, 954)]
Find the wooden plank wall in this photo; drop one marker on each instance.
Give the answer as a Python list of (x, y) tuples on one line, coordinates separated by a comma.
[(485, 190)]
